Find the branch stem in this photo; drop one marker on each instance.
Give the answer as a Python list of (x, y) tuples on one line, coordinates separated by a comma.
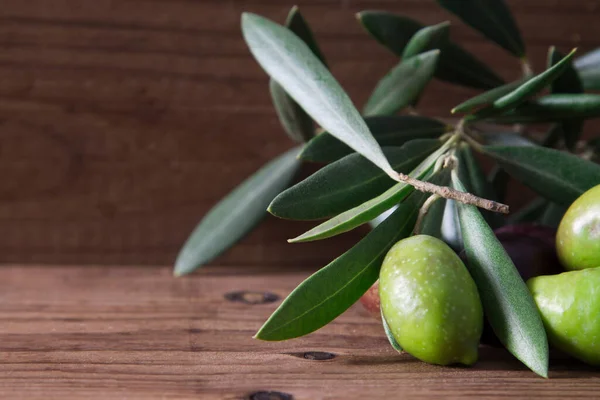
[(423, 212), (449, 193)]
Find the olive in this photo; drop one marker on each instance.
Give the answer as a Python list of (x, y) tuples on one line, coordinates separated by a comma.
[(569, 305), (430, 302), (578, 237)]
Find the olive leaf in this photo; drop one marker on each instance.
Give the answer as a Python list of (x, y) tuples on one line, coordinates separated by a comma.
[(297, 24), (505, 139), (388, 333), (298, 125), (290, 62), (295, 121), (428, 38), (237, 213), (477, 183), (431, 223), (588, 67), (553, 136), (487, 98), (492, 18), (387, 130), (347, 183), (455, 65), (568, 82), (522, 93), (333, 289), (552, 215), (530, 212), (499, 179), (507, 303), (557, 176), (450, 230), (402, 85), (550, 108), (534, 85), (369, 210)]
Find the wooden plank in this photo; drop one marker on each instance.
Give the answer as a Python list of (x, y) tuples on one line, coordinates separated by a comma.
[(138, 333), (120, 122)]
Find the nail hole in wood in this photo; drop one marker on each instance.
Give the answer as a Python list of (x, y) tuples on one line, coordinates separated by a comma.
[(247, 297), (319, 355), (268, 395)]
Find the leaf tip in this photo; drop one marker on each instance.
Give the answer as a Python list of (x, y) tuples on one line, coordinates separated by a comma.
[(183, 266), (181, 270)]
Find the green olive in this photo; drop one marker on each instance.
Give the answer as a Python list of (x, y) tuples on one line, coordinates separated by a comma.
[(430, 301), (578, 236), (570, 307)]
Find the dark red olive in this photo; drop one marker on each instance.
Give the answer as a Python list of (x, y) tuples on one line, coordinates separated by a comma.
[(370, 301), (531, 248)]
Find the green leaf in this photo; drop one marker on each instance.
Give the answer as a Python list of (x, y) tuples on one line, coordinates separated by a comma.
[(499, 179), (428, 38), (455, 65), (505, 139), (367, 211), (557, 176), (534, 85), (588, 67), (552, 215), (333, 289), (478, 183), (237, 213), (387, 130), (347, 183), (492, 18), (507, 303), (295, 121), (297, 24), (450, 229), (531, 212), (388, 333), (402, 85), (432, 221), (552, 108), (553, 136), (290, 62), (568, 82), (487, 98)]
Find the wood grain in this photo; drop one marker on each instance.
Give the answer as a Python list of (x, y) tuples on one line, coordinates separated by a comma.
[(122, 122), (138, 333)]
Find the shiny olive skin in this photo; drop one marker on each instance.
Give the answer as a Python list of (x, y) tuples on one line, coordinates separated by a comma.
[(569, 304), (430, 301), (578, 236)]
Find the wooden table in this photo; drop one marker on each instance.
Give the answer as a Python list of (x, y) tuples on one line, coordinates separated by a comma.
[(138, 333)]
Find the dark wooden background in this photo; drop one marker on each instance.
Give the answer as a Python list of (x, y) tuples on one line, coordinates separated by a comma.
[(122, 122)]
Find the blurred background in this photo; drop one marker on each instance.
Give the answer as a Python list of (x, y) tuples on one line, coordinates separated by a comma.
[(123, 122)]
